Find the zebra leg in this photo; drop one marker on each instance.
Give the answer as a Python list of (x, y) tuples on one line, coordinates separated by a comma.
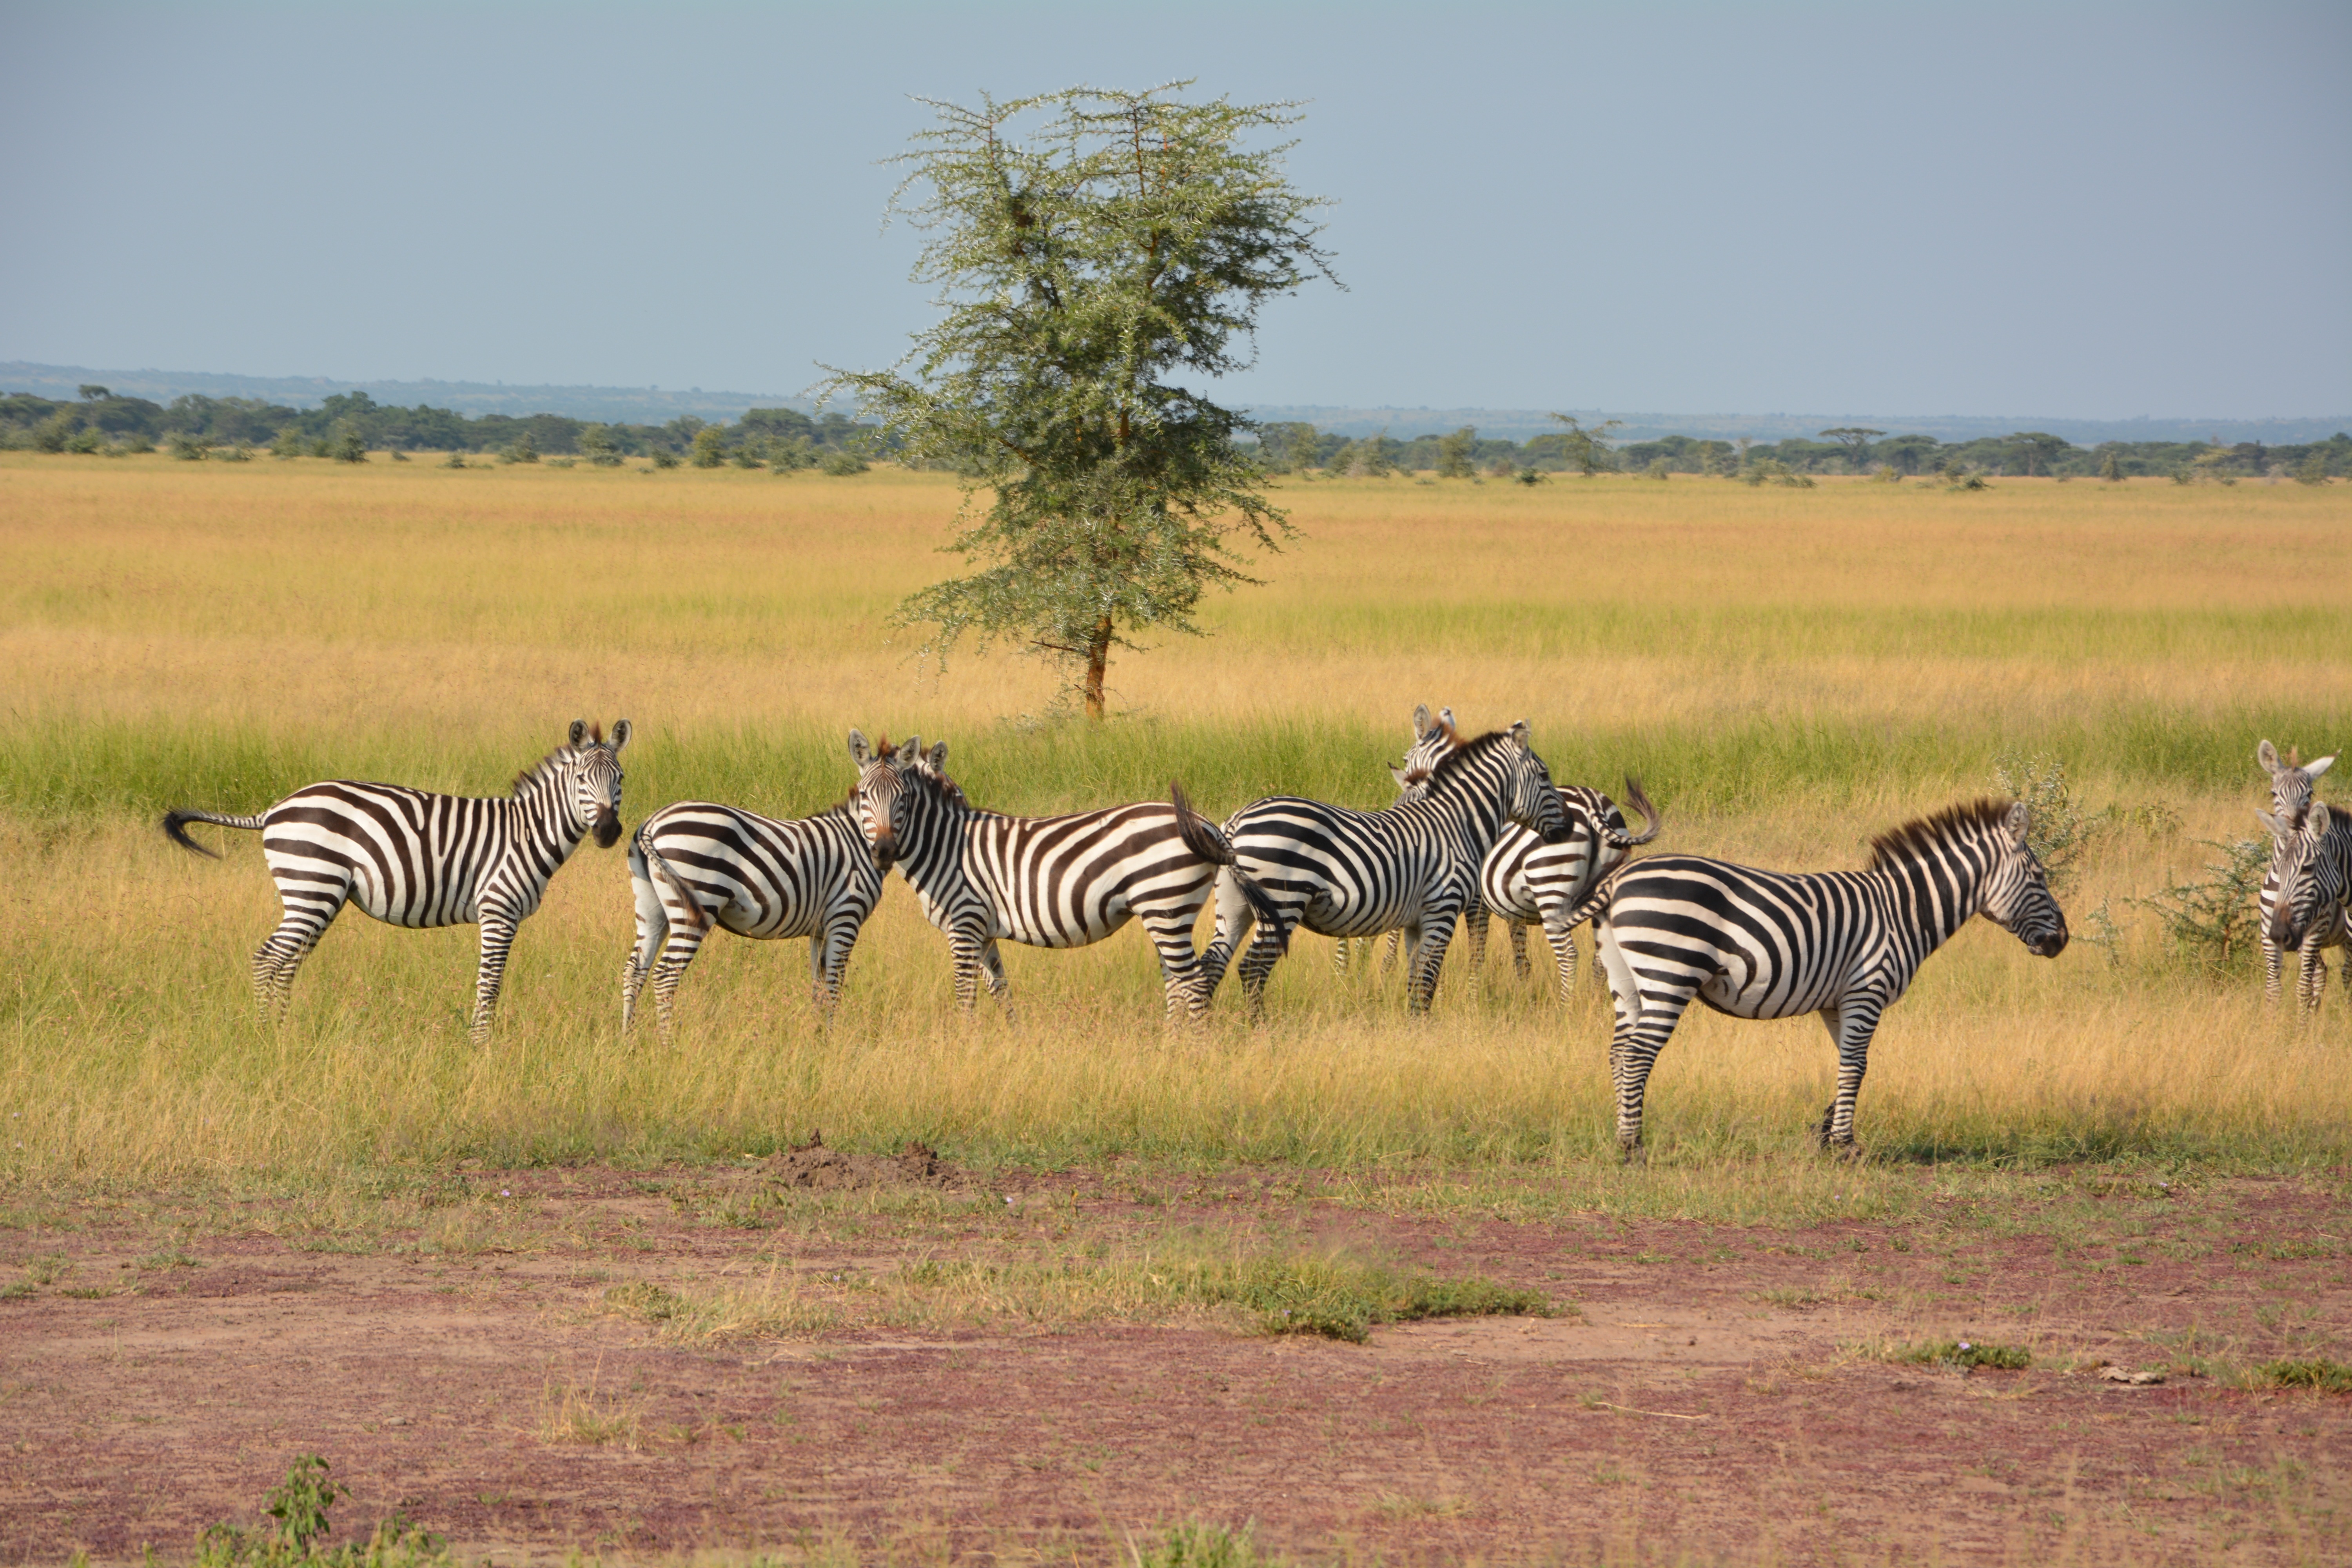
[(652, 929), (1429, 960), (1339, 956), (1519, 950), (1563, 959), (1646, 1017), (1475, 919), (963, 951), (498, 937), (2311, 968), (685, 942), (1851, 1023), (2271, 963), (307, 915), (1389, 962), (1180, 969), (835, 943), (1265, 952), (1235, 920), (991, 963)]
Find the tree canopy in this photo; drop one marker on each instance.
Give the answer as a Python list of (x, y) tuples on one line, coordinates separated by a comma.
[(1089, 246)]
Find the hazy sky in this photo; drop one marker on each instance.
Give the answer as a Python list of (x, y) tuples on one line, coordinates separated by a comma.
[(2087, 211)]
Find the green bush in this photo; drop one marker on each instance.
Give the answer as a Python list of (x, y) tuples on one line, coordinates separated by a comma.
[(709, 446), (844, 460), (2327, 1376), (188, 448), (299, 1506)]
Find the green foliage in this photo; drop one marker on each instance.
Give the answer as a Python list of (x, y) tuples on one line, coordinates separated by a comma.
[(1658, 470), (1203, 1546), (187, 448), (524, 451), (2327, 1376), (596, 444), (299, 1505), (456, 459), (346, 445), (1454, 453), (1586, 447), (2111, 468), (1965, 1355), (2058, 830), (2312, 469), (843, 460), (709, 446), (1091, 248), (664, 458), (52, 434), (2213, 920)]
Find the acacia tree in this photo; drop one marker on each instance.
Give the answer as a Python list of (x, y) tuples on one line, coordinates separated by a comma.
[(1855, 439), (1088, 246), (1587, 446)]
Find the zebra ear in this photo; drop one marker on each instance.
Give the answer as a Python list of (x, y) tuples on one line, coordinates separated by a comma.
[(939, 758), (2315, 827), (910, 750), (579, 732), (620, 733), (1521, 733), (2267, 754), (2278, 829), (1421, 721), (2314, 770), (861, 750), (1446, 723), (1403, 779), (2018, 821)]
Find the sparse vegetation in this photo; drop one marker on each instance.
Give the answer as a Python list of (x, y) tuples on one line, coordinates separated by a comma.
[(299, 1505)]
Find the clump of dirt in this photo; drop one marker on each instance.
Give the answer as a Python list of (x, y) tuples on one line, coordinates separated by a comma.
[(813, 1167)]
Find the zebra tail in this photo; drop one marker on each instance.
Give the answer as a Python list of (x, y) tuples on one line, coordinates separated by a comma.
[(1203, 839), (1595, 899), (1651, 815), (175, 828), (664, 874)]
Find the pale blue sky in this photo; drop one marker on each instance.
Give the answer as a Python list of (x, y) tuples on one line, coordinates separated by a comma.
[(2093, 211)]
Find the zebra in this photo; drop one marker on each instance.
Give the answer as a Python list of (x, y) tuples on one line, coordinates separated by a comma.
[(1770, 945), (2291, 789), (1357, 873), (2311, 869), (1433, 737), (413, 859), (1047, 881), (1524, 879), (695, 866)]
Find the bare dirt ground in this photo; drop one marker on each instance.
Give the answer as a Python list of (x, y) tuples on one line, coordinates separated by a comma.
[(1704, 1393)]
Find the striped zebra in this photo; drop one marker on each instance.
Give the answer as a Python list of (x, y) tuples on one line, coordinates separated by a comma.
[(1770, 944), (1046, 881), (1522, 878), (2311, 869), (2291, 790), (412, 858), (695, 866), (1433, 737), (1358, 873)]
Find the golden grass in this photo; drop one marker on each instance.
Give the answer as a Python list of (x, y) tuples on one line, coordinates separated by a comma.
[(420, 620)]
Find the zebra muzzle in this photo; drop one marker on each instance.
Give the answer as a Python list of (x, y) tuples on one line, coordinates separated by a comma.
[(608, 829)]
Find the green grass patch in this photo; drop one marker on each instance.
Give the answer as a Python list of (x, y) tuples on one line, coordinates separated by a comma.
[(2329, 1376), (1965, 1354)]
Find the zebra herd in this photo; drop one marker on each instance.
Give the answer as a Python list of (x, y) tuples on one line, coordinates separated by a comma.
[(1478, 828)]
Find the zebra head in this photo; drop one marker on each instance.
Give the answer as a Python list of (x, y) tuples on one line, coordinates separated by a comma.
[(2309, 883), (2017, 890), (590, 765), (1432, 739), (891, 781), (2290, 783)]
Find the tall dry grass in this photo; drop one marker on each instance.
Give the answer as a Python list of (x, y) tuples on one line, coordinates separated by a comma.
[(1791, 670)]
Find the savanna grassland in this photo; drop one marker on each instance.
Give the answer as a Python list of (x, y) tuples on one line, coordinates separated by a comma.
[(1790, 671)]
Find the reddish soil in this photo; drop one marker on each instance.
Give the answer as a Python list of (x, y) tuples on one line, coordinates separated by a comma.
[(1707, 1393)]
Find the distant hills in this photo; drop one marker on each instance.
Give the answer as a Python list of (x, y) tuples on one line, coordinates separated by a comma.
[(657, 405)]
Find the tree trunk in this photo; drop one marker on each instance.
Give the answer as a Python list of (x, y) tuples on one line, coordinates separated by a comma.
[(1098, 661)]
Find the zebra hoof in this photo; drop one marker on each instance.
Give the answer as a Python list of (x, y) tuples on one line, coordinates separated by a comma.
[(1632, 1154)]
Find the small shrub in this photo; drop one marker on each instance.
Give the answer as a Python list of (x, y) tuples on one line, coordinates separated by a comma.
[(709, 446), (1965, 1355), (2057, 829), (2182, 475), (243, 453), (747, 458), (1531, 475), (1961, 480), (524, 450), (2327, 1376), (2215, 918), (398, 456), (664, 459), (1658, 470), (187, 448), (347, 444), (456, 459), (596, 444), (1201, 1546), (1886, 474), (84, 441), (844, 460), (52, 434), (289, 443), (299, 1505), (2312, 469)]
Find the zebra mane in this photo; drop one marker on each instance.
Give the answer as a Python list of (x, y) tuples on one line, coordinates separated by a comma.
[(1459, 757), (546, 767), (1925, 835)]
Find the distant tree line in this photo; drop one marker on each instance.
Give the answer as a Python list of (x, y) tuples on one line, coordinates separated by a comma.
[(351, 423), (1288, 448)]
